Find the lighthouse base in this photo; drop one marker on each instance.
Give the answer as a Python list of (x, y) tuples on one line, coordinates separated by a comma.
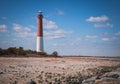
[(39, 46)]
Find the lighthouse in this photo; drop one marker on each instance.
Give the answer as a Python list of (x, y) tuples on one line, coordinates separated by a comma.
[(39, 45)]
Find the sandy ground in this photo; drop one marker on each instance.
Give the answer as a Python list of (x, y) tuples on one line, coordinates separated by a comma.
[(22, 70)]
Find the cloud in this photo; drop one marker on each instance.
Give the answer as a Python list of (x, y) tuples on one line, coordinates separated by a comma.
[(19, 28), (48, 24), (24, 32), (103, 25), (5, 44), (60, 12), (97, 19), (100, 21), (56, 34), (110, 39), (118, 33), (52, 31), (3, 28), (32, 26), (75, 41), (91, 36), (105, 39), (58, 44)]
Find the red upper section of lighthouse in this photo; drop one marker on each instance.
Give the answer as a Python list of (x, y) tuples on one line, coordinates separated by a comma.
[(40, 25)]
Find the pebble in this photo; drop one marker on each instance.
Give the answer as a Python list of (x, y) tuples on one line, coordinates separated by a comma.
[(31, 82)]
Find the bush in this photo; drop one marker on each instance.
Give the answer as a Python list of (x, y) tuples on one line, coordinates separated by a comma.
[(54, 54), (21, 51), (1, 51), (11, 50), (41, 53)]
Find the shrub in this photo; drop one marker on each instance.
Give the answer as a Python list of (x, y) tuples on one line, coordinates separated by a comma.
[(54, 54), (21, 51), (41, 53)]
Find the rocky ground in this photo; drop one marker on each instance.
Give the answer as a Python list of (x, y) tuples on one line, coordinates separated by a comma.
[(65, 70)]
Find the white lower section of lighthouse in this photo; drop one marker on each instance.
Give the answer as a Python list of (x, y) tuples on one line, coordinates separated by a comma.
[(39, 47)]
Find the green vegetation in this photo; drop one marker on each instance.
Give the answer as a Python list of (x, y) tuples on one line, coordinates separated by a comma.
[(44, 54), (13, 51), (54, 54), (41, 53)]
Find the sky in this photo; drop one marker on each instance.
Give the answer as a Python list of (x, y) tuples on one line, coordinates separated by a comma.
[(71, 27)]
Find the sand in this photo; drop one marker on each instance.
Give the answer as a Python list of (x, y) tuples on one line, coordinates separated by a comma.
[(15, 70)]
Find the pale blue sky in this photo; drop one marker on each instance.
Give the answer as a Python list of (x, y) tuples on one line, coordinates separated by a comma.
[(71, 27)]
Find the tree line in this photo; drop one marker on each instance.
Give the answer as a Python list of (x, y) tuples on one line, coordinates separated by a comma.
[(20, 51)]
